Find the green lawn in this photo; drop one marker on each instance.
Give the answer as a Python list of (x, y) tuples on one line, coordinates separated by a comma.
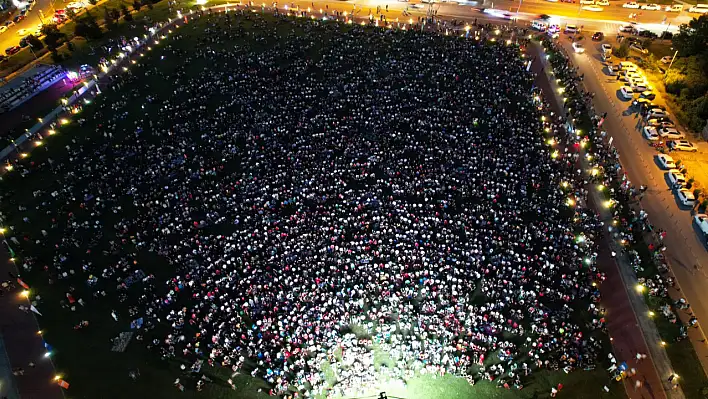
[(83, 356)]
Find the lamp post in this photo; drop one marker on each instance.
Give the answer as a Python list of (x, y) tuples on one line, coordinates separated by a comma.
[(670, 64)]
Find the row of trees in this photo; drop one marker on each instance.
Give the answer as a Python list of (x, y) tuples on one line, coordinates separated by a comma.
[(687, 81), (87, 27)]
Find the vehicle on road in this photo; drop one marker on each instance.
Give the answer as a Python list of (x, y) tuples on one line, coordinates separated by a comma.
[(571, 29), (598, 36), (626, 92), (8, 24), (651, 7), (602, 2), (22, 32), (682, 145), (701, 220), (631, 4), (606, 47), (3, 28), (699, 9), (674, 8), (670, 133), (587, 2), (12, 50), (18, 18), (578, 47), (593, 8), (626, 28), (686, 197), (666, 161), (650, 133), (676, 179)]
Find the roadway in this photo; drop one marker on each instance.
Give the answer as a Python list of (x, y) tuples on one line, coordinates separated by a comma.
[(685, 251), (611, 16)]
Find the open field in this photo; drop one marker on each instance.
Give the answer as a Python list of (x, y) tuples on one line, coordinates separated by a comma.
[(83, 355)]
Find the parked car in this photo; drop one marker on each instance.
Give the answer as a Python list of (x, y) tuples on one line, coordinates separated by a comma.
[(598, 36), (651, 7), (12, 50), (686, 197), (626, 92), (670, 133), (626, 28), (571, 29), (3, 28), (647, 33), (650, 133), (682, 145), (602, 2), (660, 122), (606, 47), (648, 94), (631, 4), (674, 8), (18, 18), (666, 59), (638, 47), (676, 179), (666, 161), (578, 47), (701, 220)]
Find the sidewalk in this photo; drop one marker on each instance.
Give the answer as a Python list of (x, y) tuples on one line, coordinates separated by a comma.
[(628, 338)]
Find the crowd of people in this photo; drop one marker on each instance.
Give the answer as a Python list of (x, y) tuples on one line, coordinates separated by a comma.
[(320, 196)]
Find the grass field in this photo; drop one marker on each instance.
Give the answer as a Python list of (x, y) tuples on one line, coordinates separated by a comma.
[(83, 356)]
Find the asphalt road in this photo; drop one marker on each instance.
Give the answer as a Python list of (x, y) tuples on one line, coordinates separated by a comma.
[(685, 251), (608, 19)]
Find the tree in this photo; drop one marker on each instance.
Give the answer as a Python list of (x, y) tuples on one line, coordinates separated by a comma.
[(148, 3), (34, 42), (88, 28), (622, 51), (137, 5), (127, 16), (692, 37), (52, 36)]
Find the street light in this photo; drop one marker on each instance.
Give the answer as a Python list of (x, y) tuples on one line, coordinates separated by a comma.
[(670, 64)]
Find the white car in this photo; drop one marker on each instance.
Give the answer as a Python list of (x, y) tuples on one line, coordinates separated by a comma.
[(666, 161), (682, 145), (3, 28), (606, 47), (638, 87), (670, 133), (631, 4), (650, 133), (587, 2), (578, 48), (701, 220), (602, 2), (626, 28), (23, 32), (676, 178), (651, 7), (699, 9), (686, 197), (656, 113), (666, 59), (626, 92), (593, 8), (638, 47), (674, 8)]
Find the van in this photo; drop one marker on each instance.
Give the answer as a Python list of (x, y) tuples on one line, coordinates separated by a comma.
[(699, 9)]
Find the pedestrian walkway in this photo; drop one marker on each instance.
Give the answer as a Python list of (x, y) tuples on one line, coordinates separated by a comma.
[(627, 336)]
